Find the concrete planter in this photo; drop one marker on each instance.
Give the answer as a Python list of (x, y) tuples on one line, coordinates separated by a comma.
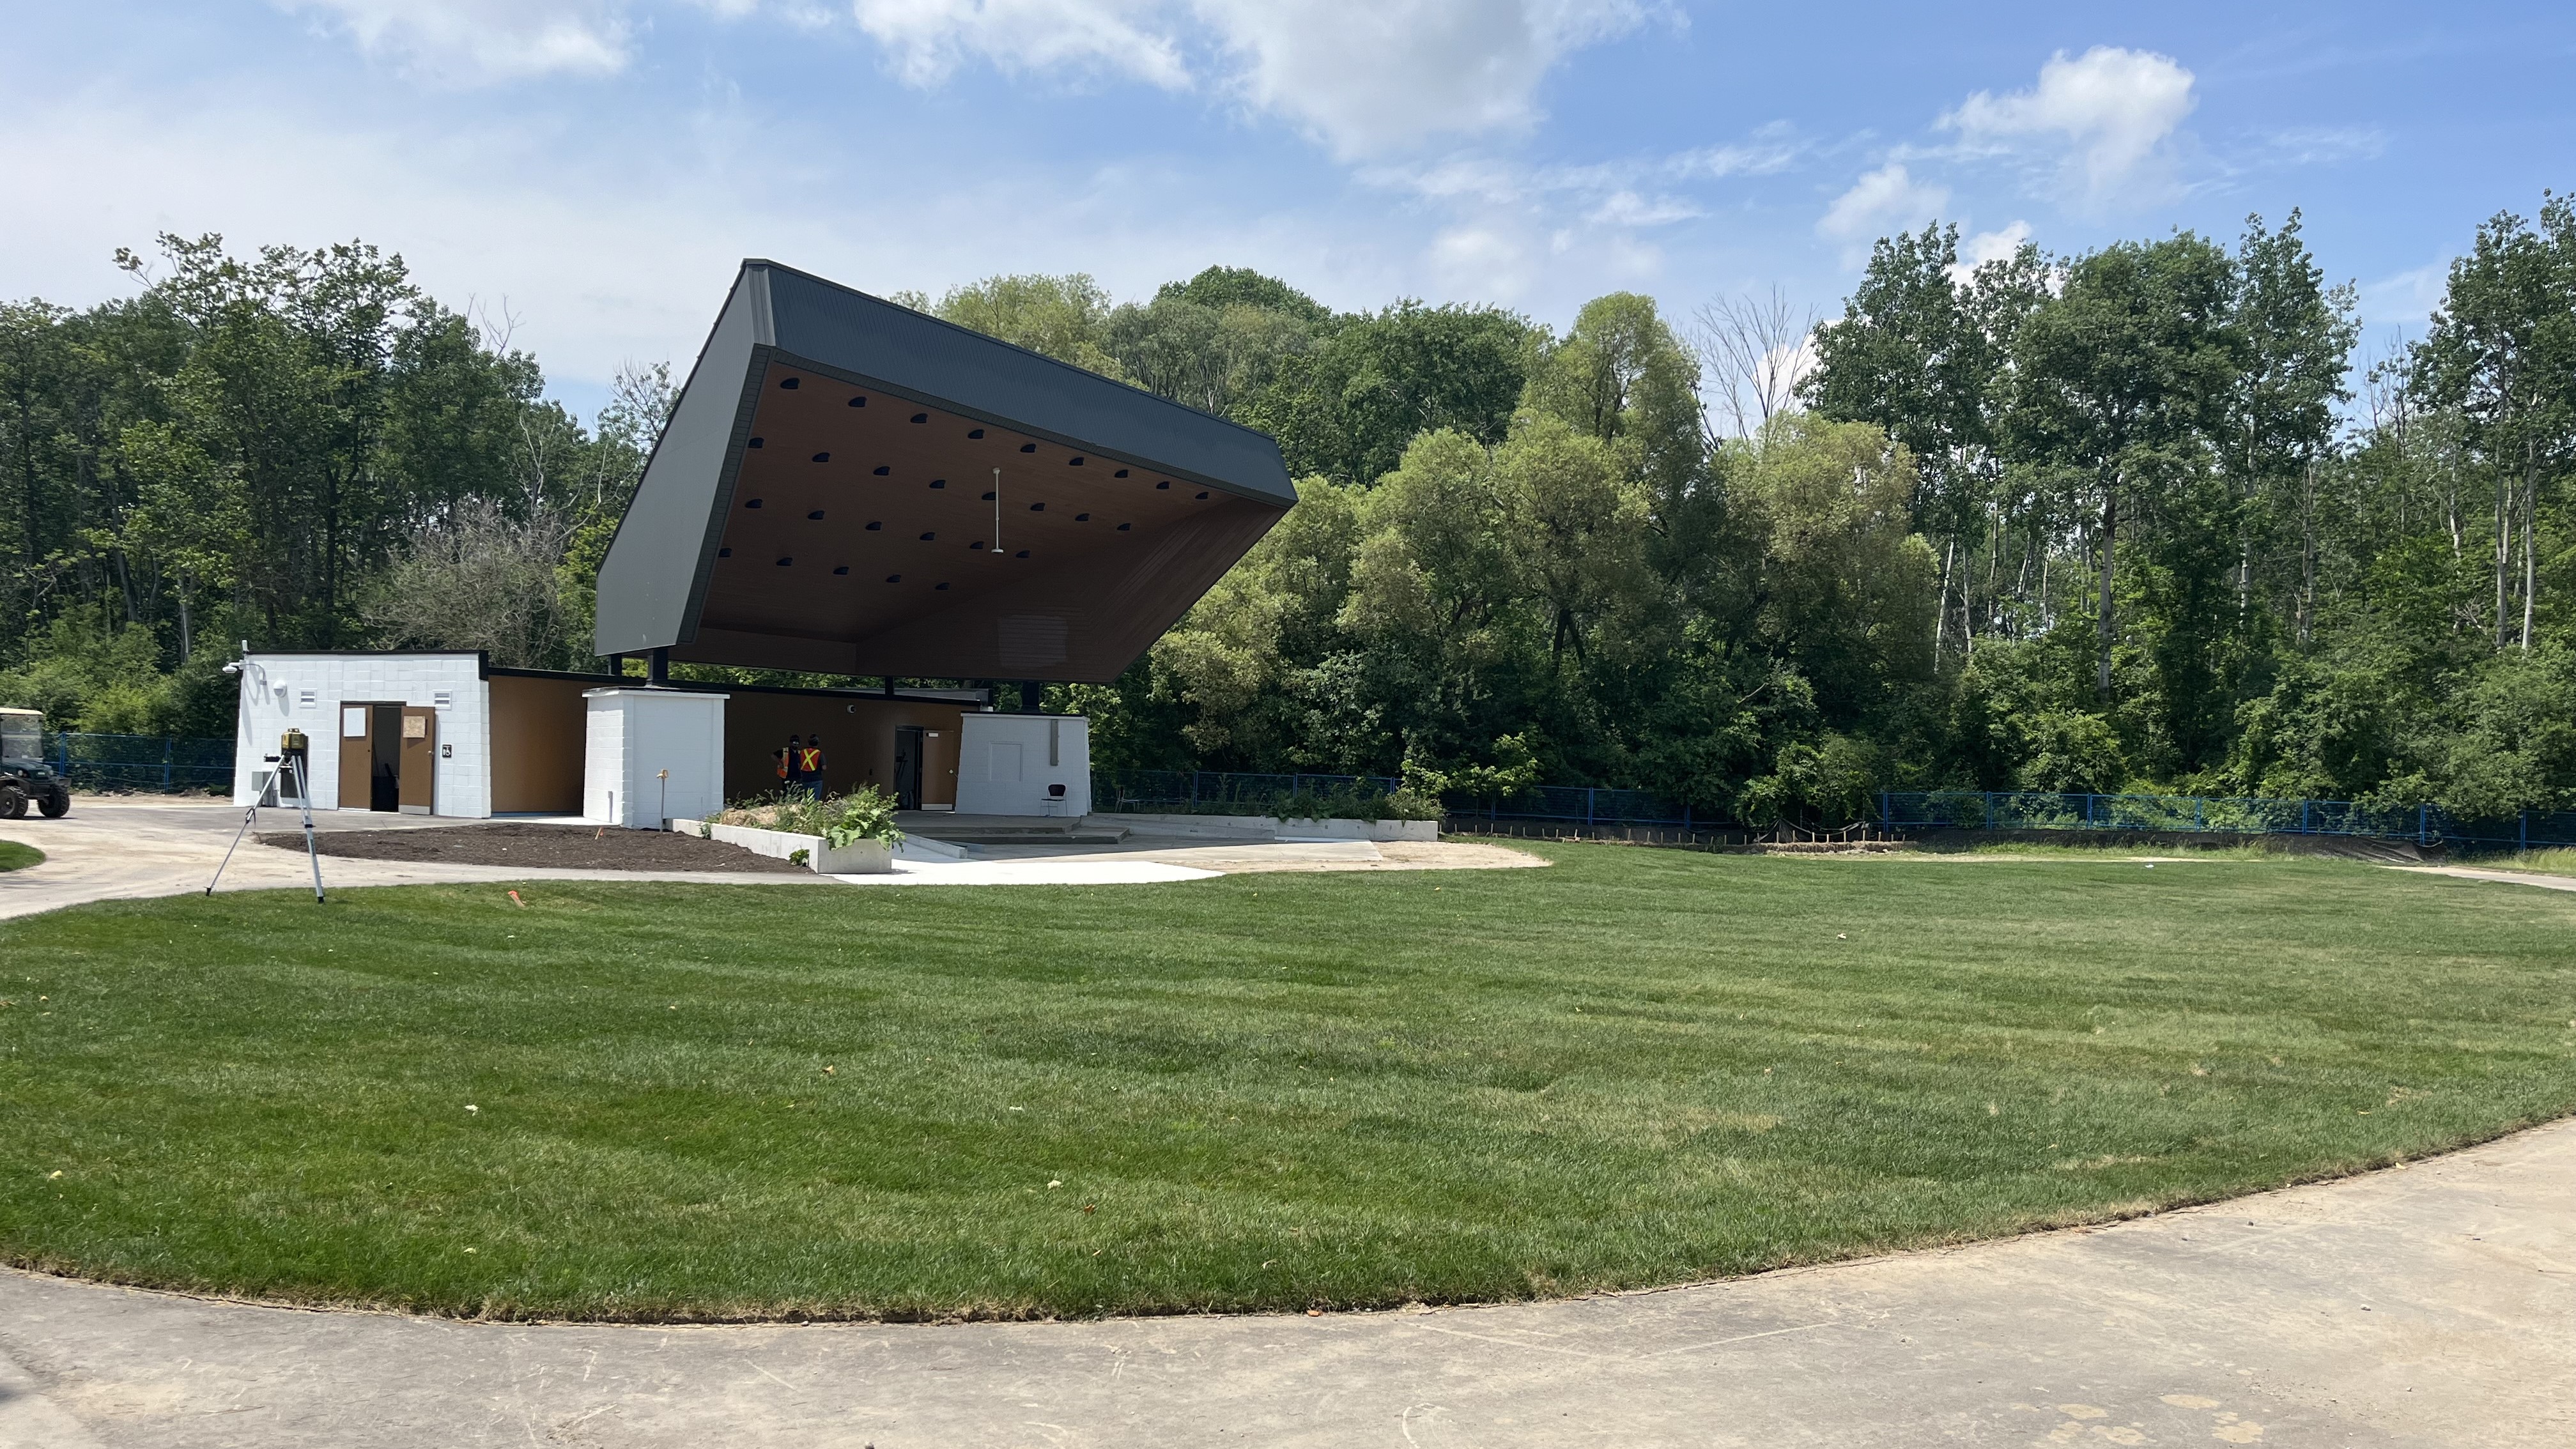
[(1194, 827), (859, 857), (1266, 827), (1359, 829)]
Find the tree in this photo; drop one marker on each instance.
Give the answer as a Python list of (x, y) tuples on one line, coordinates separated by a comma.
[(1349, 407), (2502, 354), (2121, 378)]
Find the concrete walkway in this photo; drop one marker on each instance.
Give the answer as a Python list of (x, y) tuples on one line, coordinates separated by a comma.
[(2431, 1306), (123, 848)]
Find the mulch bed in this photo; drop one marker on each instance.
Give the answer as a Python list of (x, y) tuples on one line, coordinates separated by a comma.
[(544, 847)]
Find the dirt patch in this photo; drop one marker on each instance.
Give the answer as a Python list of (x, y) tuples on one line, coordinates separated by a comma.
[(539, 847)]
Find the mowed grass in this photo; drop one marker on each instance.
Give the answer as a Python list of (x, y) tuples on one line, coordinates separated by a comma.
[(14, 856), (1635, 1067)]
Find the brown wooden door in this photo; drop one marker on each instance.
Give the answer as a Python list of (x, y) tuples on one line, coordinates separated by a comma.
[(939, 767), (419, 760), (357, 751)]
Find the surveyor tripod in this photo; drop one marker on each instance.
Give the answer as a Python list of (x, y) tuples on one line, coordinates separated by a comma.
[(291, 767)]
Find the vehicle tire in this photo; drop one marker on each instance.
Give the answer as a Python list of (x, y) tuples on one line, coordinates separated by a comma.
[(13, 801), (57, 804)]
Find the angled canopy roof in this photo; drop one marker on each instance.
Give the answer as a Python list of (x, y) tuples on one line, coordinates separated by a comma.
[(851, 487)]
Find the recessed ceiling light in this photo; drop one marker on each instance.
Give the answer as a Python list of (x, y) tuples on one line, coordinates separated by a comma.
[(938, 482), (822, 457), (845, 568), (782, 563), (1121, 473), (1202, 493), (724, 553), (939, 586), (974, 432), (1082, 518), (858, 402), (1122, 528), (883, 470), (1037, 508), (929, 537), (1166, 483), (894, 578), (1023, 553), (874, 524), (788, 383), (1028, 447), (988, 497), (1074, 462), (816, 514), (976, 547), (756, 442), (755, 503), (921, 417)]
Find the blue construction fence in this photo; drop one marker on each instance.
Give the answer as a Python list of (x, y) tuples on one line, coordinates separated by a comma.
[(2220, 815), (140, 762)]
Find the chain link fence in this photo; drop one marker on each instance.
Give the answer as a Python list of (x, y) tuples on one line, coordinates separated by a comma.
[(140, 762)]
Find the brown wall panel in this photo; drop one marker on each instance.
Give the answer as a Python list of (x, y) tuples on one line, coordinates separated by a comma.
[(539, 728), (858, 741)]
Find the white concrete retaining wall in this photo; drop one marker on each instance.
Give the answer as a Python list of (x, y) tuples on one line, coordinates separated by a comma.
[(859, 857), (1005, 763), (280, 692)]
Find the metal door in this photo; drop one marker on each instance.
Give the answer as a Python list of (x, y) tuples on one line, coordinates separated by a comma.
[(907, 767), (370, 755), (419, 761), (356, 755)]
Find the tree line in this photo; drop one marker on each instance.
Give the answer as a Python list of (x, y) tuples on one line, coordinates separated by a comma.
[(2135, 518)]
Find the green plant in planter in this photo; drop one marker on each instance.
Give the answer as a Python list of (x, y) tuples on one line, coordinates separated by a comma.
[(865, 814), (800, 856)]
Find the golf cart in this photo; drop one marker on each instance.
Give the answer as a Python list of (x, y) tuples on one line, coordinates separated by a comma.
[(24, 775)]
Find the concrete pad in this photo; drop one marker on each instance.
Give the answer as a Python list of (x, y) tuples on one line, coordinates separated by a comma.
[(2428, 1306), (2507, 877), (135, 847)]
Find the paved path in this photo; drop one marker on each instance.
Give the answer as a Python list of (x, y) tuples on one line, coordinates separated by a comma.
[(2509, 877), (2428, 1306), (121, 848)]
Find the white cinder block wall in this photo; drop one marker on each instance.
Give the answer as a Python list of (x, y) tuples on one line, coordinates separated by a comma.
[(1005, 762), (304, 691), (632, 736)]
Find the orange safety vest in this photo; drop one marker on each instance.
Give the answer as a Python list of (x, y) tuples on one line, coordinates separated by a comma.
[(782, 764), (809, 761)]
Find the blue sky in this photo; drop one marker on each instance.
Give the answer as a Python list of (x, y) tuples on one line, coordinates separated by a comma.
[(591, 170)]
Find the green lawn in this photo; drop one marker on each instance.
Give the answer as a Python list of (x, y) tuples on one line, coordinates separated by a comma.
[(14, 856), (1636, 1067)]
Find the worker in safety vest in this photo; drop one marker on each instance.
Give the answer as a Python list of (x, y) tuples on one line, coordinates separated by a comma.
[(809, 765), (787, 763)]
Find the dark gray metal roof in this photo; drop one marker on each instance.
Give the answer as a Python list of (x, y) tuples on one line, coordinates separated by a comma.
[(817, 403)]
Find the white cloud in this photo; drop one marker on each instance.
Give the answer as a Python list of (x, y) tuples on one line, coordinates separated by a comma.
[(929, 39), (2405, 298), (1371, 75), (1364, 76), (1628, 209), (482, 40), (1769, 149), (1886, 199), (2111, 108), (1481, 261), (1988, 246)]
